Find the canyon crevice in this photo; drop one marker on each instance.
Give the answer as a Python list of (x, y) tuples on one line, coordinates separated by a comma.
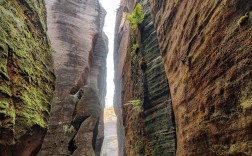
[(183, 78)]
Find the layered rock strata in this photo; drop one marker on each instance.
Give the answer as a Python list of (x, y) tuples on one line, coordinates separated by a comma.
[(26, 77), (76, 125), (141, 78), (159, 123), (205, 48)]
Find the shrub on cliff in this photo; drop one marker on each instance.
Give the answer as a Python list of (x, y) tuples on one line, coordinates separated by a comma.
[(136, 17), (135, 48)]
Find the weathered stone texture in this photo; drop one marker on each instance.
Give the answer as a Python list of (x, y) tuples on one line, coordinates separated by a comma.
[(207, 58), (26, 76), (159, 124), (75, 28), (150, 130), (206, 52), (122, 35), (85, 121)]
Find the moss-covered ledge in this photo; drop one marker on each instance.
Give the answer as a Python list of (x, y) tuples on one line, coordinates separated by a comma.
[(26, 69)]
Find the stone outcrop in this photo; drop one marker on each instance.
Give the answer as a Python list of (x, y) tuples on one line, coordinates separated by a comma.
[(85, 120), (205, 56), (26, 77), (75, 29)]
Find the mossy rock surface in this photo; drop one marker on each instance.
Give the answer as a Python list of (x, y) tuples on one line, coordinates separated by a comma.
[(26, 68)]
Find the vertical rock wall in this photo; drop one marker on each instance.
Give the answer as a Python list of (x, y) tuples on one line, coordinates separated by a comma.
[(26, 77), (76, 123), (159, 124), (122, 35), (205, 48), (150, 130), (207, 57)]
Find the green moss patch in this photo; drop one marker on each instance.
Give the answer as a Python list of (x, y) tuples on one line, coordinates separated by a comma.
[(26, 66)]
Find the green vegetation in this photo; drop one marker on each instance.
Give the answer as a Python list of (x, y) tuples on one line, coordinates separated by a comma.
[(138, 144), (7, 108), (142, 63), (243, 19), (136, 17), (26, 66), (136, 104), (135, 47)]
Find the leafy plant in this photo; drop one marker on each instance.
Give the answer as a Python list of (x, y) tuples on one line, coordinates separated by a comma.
[(135, 47), (142, 63), (136, 17), (136, 104)]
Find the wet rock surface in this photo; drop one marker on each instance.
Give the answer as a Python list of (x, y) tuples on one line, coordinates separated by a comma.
[(26, 77)]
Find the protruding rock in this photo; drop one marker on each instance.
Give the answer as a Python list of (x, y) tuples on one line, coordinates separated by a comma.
[(84, 138), (89, 105)]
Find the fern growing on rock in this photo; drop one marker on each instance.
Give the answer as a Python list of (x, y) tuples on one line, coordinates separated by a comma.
[(136, 17)]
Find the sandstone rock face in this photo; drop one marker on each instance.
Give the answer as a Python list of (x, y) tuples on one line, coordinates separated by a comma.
[(149, 130), (84, 137), (75, 29), (205, 49), (207, 57), (88, 105), (122, 35), (26, 77), (86, 120)]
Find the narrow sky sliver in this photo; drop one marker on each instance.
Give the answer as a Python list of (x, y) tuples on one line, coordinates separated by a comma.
[(109, 28), (110, 145)]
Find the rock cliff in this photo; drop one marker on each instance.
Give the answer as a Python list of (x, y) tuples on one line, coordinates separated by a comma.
[(197, 64), (76, 123), (26, 77)]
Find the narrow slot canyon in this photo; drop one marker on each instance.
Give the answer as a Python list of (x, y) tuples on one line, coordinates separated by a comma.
[(125, 78)]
